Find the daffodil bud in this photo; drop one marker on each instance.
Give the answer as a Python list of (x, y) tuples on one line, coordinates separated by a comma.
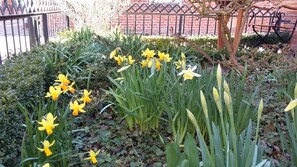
[(183, 56), (217, 98), (291, 105), (123, 68), (228, 102), (260, 109), (192, 119), (226, 88), (219, 76), (204, 104), (295, 91)]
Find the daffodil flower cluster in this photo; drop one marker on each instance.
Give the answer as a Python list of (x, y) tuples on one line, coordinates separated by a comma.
[(62, 85), (121, 60), (152, 59)]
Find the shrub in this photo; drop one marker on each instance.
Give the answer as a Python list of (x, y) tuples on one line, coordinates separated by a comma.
[(25, 78), (22, 80)]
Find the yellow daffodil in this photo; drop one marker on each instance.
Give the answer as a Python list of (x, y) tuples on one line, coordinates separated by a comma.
[(130, 59), (164, 57), (93, 156), (114, 53), (86, 98), (63, 79), (46, 165), (157, 64), (144, 63), (291, 105), (54, 92), (189, 74), (77, 108), (148, 53), (120, 59), (46, 146), (48, 124)]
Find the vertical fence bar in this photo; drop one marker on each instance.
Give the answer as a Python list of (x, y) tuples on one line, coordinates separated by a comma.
[(19, 33), (192, 24), (152, 24), (175, 24), (135, 24), (127, 31), (25, 35), (67, 22), (143, 20), (168, 25), (160, 25), (45, 27), (36, 32), (31, 32), (207, 25), (180, 24), (5, 34), (12, 35)]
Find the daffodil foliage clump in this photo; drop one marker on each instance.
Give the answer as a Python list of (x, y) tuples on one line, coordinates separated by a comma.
[(151, 87), (48, 138), (139, 87)]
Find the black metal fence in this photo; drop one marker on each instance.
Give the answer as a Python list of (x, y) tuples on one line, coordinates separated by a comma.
[(170, 19), (26, 23)]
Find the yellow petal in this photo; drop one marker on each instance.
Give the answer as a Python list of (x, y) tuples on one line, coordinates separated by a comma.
[(46, 165), (40, 149), (41, 128), (291, 105)]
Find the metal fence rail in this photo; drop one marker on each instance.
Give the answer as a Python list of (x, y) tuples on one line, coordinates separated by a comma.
[(160, 19), (25, 24)]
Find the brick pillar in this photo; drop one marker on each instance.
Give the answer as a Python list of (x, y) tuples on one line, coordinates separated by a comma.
[(292, 13)]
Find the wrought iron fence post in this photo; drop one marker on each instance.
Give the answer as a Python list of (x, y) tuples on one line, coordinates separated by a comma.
[(45, 27), (180, 24), (31, 28), (68, 22)]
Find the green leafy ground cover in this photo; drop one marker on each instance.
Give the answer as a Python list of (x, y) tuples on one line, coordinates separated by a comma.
[(85, 58)]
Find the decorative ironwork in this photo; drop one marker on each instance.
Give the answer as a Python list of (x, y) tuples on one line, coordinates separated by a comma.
[(171, 19), (27, 6), (26, 23)]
